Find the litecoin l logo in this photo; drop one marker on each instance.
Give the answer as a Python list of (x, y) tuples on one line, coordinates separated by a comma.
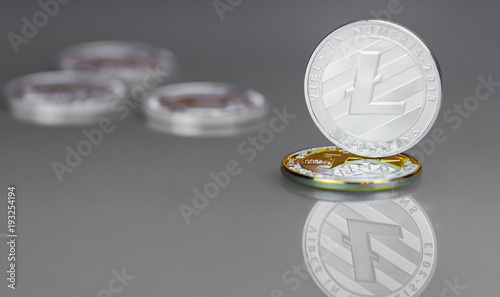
[(382, 248), (360, 241), (361, 93)]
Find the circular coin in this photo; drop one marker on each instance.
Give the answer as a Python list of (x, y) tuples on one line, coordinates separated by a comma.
[(336, 169), (376, 248), (63, 97), (204, 109), (373, 88), (135, 63)]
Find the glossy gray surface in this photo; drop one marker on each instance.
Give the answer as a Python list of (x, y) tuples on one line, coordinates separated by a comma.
[(119, 208)]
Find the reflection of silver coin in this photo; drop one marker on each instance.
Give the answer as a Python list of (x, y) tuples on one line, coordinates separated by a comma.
[(336, 169), (204, 109), (377, 248), (131, 62), (373, 88), (62, 97)]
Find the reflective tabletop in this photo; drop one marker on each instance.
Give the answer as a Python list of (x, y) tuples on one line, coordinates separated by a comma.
[(134, 212)]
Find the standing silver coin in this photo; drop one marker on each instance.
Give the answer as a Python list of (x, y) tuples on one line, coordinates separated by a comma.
[(373, 88), (373, 248)]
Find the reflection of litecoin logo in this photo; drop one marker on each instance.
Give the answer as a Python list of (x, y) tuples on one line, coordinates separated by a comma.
[(361, 92), (378, 248)]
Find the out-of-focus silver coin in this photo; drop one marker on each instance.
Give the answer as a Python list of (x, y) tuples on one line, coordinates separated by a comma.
[(333, 168), (373, 88), (63, 97), (132, 62), (375, 248), (204, 109)]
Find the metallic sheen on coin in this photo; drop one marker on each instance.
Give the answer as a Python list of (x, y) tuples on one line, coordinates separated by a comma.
[(336, 169), (63, 97), (204, 109), (373, 88), (376, 248)]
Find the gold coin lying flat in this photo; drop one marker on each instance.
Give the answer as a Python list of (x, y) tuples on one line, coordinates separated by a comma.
[(336, 169)]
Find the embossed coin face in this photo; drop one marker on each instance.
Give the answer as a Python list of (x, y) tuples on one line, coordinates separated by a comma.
[(373, 88), (204, 109), (377, 248), (62, 97), (337, 169)]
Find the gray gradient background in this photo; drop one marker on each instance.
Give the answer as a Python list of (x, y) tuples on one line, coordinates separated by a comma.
[(119, 208)]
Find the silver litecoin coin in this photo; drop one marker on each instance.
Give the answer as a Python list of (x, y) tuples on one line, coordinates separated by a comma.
[(204, 109), (132, 62), (62, 98), (371, 248), (373, 88)]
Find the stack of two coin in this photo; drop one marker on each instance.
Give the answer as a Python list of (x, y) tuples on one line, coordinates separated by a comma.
[(373, 88)]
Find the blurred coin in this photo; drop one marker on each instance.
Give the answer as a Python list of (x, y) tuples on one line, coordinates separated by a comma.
[(134, 63), (204, 109), (373, 88), (336, 169), (62, 97)]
